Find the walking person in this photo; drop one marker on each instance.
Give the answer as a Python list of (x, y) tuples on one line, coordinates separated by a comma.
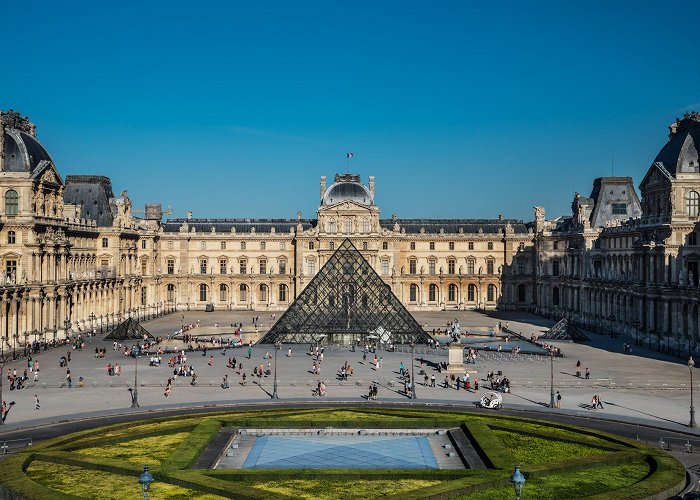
[(36, 402), (557, 400), (599, 402)]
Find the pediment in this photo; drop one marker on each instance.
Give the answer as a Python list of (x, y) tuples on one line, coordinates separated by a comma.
[(47, 174), (345, 206), (657, 174)]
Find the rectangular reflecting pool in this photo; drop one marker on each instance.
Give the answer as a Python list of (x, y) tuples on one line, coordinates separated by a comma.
[(340, 451)]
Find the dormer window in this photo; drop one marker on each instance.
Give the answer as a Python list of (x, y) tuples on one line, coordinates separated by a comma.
[(692, 204)]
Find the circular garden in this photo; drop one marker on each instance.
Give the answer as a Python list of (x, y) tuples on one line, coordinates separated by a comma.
[(559, 461)]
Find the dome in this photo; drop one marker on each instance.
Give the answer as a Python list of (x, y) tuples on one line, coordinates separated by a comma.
[(347, 187), (680, 154), (21, 152)]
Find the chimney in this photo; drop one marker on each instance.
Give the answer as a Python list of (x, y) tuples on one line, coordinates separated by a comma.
[(298, 216), (371, 185), (323, 186), (189, 215)]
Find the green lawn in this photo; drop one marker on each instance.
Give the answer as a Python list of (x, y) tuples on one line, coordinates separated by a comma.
[(104, 485), (340, 490), (572, 485), (530, 450), (151, 450)]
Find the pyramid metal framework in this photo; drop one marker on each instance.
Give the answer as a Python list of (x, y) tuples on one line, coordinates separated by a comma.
[(564, 331), (347, 301), (129, 330)]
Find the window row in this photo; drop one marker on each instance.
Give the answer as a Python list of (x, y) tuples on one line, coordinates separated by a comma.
[(452, 293), (451, 245), (451, 266), (223, 266), (243, 293)]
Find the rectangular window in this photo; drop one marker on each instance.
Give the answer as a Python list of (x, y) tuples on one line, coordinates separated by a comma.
[(348, 226), (555, 268), (242, 245), (489, 267), (105, 242), (263, 245), (203, 266), (431, 267), (412, 266), (413, 245), (385, 268), (331, 227), (283, 267), (171, 245), (143, 296), (283, 245), (555, 245), (171, 266), (223, 245), (619, 208), (452, 245), (311, 267), (243, 267), (104, 262), (144, 267), (222, 266), (263, 266), (385, 245), (11, 268), (311, 245), (490, 245), (470, 266), (143, 244), (450, 266), (364, 245), (365, 226), (471, 245), (432, 245)]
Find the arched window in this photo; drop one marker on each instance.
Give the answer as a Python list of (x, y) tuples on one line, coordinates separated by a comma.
[(282, 293), (432, 293), (12, 237), (491, 293), (263, 293), (223, 293), (555, 296), (522, 293), (12, 202), (471, 293), (243, 293), (170, 292), (202, 292), (452, 293), (413, 293), (692, 203)]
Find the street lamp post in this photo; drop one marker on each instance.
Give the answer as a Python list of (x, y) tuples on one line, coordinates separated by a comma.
[(517, 480), (2, 374), (691, 364), (413, 375), (145, 480), (551, 379), (278, 346)]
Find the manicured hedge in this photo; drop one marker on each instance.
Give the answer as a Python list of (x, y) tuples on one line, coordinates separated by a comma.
[(188, 451), (491, 449)]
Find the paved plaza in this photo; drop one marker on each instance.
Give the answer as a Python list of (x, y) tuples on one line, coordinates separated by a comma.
[(644, 386)]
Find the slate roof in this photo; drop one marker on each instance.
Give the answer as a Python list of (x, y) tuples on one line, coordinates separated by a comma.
[(92, 194), (433, 226), (682, 147), (22, 152), (241, 225)]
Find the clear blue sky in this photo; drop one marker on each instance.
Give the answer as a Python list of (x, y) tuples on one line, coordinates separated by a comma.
[(459, 109)]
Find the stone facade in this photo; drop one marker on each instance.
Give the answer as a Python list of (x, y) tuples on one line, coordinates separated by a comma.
[(635, 269), (74, 256)]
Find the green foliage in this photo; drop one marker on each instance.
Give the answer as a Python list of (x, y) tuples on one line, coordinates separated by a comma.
[(491, 449)]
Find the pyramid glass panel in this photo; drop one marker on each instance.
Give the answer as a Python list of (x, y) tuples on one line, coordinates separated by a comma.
[(347, 301)]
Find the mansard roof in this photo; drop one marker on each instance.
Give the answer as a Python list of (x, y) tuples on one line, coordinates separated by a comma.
[(434, 226), (240, 225), (92, 194), (680, 154)]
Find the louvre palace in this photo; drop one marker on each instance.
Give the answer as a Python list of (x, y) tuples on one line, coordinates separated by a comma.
[(77, 257)]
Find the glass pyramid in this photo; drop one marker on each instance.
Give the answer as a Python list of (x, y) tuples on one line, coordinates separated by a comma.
[(347, 301)]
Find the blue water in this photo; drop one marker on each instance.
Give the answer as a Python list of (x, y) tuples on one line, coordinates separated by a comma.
[(347, 452), (492, 343)]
